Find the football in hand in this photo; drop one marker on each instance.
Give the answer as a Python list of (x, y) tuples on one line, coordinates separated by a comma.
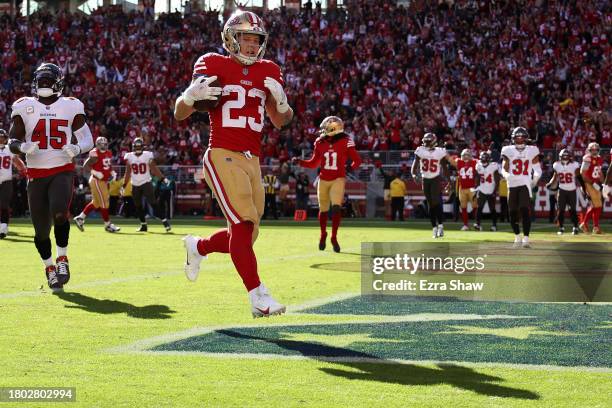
[(205, 105)]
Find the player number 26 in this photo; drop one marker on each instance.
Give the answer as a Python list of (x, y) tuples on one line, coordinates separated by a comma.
[(238, 103)]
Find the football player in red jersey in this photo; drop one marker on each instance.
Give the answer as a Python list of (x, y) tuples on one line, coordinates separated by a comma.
[(8, 160), (466, 170), (99, 164), (593, 176), (43, 128), (251, 87), (331, 151)]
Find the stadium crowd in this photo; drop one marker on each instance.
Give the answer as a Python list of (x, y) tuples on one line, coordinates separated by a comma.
[(467, 70)]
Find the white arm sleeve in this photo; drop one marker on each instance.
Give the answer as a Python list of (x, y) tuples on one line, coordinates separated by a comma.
[(85, 138)]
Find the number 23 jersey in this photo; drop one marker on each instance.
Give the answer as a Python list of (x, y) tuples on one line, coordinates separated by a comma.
[(521, 163), (238, 120)]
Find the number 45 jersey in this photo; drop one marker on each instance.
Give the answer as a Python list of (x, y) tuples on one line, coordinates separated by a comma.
[(521, 162), (51, 127), (238, 120)]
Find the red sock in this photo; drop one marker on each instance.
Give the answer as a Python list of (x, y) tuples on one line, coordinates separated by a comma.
[(323, 222), (336, 217), (88, 208), (464, 216), (243, 256), (596, 214), (104, 213), (585, 219), (217, 242)]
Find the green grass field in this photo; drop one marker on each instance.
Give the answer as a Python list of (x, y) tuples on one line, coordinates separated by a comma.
[(131, 331)]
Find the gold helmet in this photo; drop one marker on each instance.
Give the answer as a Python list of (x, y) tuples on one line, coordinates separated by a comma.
[(102, 143), (466, 154), (331, 126), (593, 148), (244, 22)]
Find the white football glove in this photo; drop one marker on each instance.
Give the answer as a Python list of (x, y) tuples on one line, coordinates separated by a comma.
[(97, 174), (29, 147), (200, 89), (606, 191), (71, 150), (166, 180), (113, 175), (276, 89)]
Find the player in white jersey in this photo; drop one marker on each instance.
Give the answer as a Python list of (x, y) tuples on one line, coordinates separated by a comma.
[(488, 180), (566, 172), (7, 161), (140, 165), (428, 162), (521, 168), (43, 128)]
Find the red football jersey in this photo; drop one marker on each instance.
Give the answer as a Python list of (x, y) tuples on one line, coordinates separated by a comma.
[(593, 172), (467, 173), (104, 162), (238, 120), (333, 156)]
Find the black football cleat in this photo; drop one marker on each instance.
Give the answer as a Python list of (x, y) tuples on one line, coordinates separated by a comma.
[(63, 270), (143, 228), (2, 235), (322, 242), (167, 225), (52, 279), (335, 244)]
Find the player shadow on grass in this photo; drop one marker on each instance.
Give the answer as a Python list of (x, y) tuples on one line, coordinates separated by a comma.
[(372, 368), (108, 306), (14, 239)]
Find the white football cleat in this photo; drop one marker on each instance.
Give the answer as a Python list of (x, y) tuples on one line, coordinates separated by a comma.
[(526, 242), (192, 262), (517, 241), (435, 232), (264, 305), (440, 231), (465, 228), (79, 221), (112, 228)]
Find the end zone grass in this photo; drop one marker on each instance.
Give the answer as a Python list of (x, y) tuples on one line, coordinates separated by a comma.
[(129, 287)]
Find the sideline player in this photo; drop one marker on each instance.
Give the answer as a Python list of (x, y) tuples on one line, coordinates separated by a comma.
[(43, 127), (518, 161), (428, 162), (8, 160), (331, 151), (592, 175), (140, 165), (466, 170), (251, 87), (99, 166)]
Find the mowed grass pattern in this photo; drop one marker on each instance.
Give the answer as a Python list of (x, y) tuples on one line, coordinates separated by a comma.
[(130, 286)]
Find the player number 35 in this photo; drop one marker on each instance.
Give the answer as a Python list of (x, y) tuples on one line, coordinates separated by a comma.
[(242, 94)]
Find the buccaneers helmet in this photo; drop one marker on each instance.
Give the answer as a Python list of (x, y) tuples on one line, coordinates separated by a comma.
[(138, 145), (331, 126), (102, 143), (485, 158), (593, 149), (565, 156), (519, 137), (52, 77), (429, 140), (244, 22)]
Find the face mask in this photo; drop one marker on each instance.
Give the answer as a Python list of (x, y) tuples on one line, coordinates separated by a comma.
[(44, 92)]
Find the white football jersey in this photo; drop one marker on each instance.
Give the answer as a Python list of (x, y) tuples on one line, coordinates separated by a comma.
[(519, 173), (487, 177), (566, 174), (51, 126), (141, 169), (6, 164), (430, 160)]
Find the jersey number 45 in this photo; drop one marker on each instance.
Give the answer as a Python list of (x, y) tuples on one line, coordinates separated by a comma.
[(47, 132)]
